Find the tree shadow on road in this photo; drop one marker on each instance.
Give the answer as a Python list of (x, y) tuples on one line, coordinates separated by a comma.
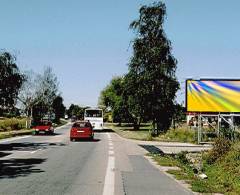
[(47, 135), (152, 149), (3, 154), (12, 168), (28, 146), (86, 140), (105, 130)]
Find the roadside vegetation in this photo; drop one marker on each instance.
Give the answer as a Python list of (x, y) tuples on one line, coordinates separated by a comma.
[(9, 124), (221, 165), (27, 97), (144, 133), (11, 127)]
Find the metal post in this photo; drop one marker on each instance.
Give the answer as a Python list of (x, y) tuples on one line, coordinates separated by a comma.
[(199, 128), (218, 126)]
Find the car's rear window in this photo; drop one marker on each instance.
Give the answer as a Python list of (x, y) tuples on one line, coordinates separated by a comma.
[(81, 125)]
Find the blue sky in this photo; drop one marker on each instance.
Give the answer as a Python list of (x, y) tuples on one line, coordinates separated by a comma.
[(88, 42)]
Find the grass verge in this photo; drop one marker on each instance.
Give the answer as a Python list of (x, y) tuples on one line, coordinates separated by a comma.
[(223, 173), (9, 134), (176, 135)]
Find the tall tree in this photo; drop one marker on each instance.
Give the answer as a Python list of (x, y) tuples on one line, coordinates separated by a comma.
[(28, 95), (48, 86), (151, 81), (58, 108), (47, 91), (10, 81)]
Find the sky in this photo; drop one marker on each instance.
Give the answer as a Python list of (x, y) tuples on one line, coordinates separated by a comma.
[(89, 42)]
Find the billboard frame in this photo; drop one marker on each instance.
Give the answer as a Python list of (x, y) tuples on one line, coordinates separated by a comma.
[(206, 79)]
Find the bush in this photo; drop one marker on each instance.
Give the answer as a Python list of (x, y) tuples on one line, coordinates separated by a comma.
[(220, 148), (182, 157), (12, 124), (182, 135)]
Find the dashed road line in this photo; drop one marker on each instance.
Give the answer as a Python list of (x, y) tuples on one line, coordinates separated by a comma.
[(109, 182), (111, 152), (110, 147)]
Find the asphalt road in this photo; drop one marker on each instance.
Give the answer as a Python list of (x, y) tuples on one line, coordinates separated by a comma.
[(106, 166)]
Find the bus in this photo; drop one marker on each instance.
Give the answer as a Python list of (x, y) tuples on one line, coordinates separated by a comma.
[(95, 117)]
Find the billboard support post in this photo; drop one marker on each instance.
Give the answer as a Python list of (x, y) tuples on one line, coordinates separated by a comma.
[(204, 117), (199, 128), (218, 125), (227, 118)]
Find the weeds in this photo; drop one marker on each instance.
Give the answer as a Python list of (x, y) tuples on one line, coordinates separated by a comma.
[(220, 147), (181, 135), (12, 124)]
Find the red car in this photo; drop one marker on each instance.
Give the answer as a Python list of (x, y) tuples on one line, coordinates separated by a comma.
[(81, 129), (44, 127)]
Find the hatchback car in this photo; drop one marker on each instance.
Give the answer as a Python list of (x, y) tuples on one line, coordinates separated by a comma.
[(81, 129), (45, 127)]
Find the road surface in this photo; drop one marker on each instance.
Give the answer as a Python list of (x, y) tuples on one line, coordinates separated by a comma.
[(106, 166)]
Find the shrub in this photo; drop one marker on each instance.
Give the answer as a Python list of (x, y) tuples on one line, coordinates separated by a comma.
[(182, 157), (12, 124), (220, 148), (182, 135)]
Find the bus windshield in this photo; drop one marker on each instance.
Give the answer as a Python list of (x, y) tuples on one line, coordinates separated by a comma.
[(93, 113)]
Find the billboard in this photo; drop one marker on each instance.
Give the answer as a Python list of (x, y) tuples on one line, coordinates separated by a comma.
[(213, 95)]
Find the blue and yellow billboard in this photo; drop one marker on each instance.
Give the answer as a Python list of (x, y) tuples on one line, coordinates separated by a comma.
[(213, 95)]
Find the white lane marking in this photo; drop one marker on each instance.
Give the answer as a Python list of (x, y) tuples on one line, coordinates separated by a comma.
[(109, 182), (108, 188), (108, 135), (111, 152), (110, 147), (14, 138), (35, 151)]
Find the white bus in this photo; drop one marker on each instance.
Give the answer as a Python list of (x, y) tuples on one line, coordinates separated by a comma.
[(95, 117)]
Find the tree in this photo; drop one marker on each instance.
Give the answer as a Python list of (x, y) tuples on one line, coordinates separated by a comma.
[(47, 91), (77, 111), (11, 81), (179, 114), (48, 86), (151, 81), (58, 108), (112, 98), (27, 97)]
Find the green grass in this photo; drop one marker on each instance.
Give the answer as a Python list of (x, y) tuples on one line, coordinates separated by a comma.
[(180, 175), (180, 135), (165, 160), (223, 174), (177, 135), (127, 131)]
